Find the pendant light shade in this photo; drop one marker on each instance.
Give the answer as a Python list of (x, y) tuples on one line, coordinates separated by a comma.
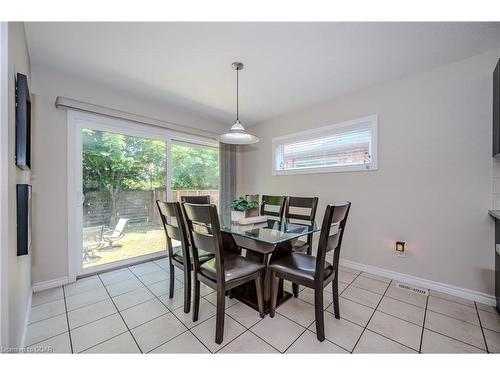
[(237, 134)]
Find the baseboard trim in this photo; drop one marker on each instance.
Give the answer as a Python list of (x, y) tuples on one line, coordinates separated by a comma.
[(49, 284), (27, 319), (424, 283)]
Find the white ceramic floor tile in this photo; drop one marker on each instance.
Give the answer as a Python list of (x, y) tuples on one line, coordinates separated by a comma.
[(451, 298), (490, 320), (212, 298), (457, 329), (279, 331), (362, 296), (47, 310), (406, 296), (206, 332), (122, 287), (206, 311), (116, 276), (184, 343), (396, 329), (58, 345), (402, 310), (340, 331), (370, 342), (48, 295), (488, 308), (433, 342), (154, 277), (308, 343), (493, 341), (144, 268), (96, 332), (87, 298), (353, 311), (243, 314), (297, 310), (176, 301), (346, 277), (90, 313), (161, 287), (163, 263), (157, 332), (372, 285), (376, 277), (123, 343), (248, 343), (308, 295), (135, 297), (83, 285), (46, 329), (143, 312), (453, 309)]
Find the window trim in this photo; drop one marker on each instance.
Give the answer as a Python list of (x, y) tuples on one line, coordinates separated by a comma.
[(373, 119)]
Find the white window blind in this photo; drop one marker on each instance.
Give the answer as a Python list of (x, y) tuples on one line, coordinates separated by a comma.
[(348, 146)]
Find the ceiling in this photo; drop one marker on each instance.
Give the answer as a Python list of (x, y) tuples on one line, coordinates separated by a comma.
[(288, 66)]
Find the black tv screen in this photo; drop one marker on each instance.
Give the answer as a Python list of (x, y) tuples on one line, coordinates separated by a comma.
[(23, 123), (23, 219)]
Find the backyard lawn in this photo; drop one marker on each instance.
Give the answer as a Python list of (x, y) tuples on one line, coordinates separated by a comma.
[(139, 240)]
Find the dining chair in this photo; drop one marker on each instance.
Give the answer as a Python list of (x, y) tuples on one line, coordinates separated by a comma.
[(173, 224), (273, 201), (294, 211), (314, 271), (225, 271), (197, 199)]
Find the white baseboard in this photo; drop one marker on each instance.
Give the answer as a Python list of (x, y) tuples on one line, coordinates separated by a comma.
[(49, 284), (424, 283), (26, 319)]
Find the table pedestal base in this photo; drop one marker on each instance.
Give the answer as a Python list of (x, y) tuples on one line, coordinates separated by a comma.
[(246, 293)]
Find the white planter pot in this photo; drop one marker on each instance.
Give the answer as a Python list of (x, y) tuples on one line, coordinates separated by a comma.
[(236, 216)]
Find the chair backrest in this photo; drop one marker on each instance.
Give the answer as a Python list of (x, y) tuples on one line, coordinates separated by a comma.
[(335, 220), (93, 234), (203, 226), (273, 200), (170, 212), (120, 226), (301, 203), (196, 199)]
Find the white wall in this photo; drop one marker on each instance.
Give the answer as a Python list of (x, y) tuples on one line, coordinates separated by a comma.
[(18, 270), (49, 174), (433, 186)]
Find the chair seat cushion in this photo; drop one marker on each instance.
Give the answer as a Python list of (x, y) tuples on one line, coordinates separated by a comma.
[(235, 267), (299, 266), (203, 255)]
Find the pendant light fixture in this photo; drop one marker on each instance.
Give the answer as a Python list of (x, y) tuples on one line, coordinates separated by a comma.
[(237, 134)]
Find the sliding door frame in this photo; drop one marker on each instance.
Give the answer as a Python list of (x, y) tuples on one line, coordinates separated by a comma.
[(79, 120)]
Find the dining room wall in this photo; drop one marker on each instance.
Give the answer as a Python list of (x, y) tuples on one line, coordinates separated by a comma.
[(433, 186), (49, 171)]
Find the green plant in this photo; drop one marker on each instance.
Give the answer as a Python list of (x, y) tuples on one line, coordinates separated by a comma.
[(241, 204)]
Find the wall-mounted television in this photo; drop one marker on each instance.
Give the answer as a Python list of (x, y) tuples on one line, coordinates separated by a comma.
[(23, 122), (23, 219)]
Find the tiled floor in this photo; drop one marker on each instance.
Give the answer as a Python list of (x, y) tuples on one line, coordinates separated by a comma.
[(128, 311)]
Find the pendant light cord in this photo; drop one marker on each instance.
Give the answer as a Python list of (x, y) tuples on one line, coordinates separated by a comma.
[(237, 94)]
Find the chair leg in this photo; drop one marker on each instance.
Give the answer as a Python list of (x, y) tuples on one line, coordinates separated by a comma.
[(295, 288), (219, 320), (260, 294), (335, 290), (187, 290), (274, 294), (196, 298), (318, 312), (172, 281)]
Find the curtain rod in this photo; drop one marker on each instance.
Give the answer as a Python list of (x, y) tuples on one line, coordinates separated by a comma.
[(64, 102)]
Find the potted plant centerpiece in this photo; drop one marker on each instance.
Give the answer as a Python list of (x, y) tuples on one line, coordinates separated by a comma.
[(244, 207)]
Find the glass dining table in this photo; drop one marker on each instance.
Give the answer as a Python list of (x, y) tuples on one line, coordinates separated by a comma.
[(263, 242)]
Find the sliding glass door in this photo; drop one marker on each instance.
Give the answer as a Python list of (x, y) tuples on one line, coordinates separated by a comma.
[(120, 170)]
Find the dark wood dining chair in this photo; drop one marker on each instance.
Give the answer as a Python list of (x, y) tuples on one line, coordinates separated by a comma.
[(273, 201), (175, 229), (314, 271), (225, 271), (293, 204), (196, 199)]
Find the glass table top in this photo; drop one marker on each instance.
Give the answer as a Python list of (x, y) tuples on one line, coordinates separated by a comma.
[(270, 231)]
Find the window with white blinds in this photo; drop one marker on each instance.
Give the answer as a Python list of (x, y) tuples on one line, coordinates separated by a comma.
[(348, 146)]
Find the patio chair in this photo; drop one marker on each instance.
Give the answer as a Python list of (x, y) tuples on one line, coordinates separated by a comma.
[(111, 235), (93, 239)]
